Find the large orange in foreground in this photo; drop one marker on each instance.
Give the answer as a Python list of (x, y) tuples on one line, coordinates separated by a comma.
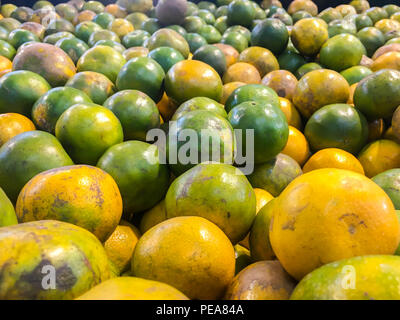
[(191, 78), (328, 215)]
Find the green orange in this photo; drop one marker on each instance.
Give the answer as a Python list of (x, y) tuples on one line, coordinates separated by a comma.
[(19, 90), (141, 178), (136, 112), (26, 155), (143, 74), (87, 131), (96, 85)]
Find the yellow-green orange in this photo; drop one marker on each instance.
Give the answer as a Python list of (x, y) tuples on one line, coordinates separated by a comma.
[(331, 214), (189, 253)]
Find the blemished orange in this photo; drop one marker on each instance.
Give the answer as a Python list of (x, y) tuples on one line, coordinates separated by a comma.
[(331, 214)]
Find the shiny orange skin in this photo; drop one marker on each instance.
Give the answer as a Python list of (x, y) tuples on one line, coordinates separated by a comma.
[(229, 88), (380, 156), (319, 88), (333, 158), (192, 78), (231, 54), (12, 124), (297, 146), (82, 195), (261, 58), (121, 27), (292, 115), (243, 72), (282, 81)]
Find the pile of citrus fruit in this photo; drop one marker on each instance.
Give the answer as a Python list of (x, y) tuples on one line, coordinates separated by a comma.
[(293, 194)]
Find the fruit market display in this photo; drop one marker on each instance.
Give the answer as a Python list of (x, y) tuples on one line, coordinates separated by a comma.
[(207, 150)]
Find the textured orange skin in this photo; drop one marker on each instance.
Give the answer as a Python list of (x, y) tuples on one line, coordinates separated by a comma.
[(229, 88), (264, 280), (297, 146), (231, 54), (333, 158), (261, 58), (189, 253), (121, 244), (331, 214), (243, 72), (12, 124), (76, 254), (131, 288), (282, 81), (379, 156), (82, 195), (319, 88)]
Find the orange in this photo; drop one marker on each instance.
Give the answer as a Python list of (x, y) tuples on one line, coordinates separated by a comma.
[(229, 88), (379, 156), (333, 158), (231, 54), (282, 81), (120, 245), (261, 58), (243, 72), (12, 124), (297, 146), (192, 78), (264, 280), (82, 195), (189, 253), (154, 216), (131, 288), (389, 60), (5, 64), (292, 115), (166, 107), (331, 214)]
